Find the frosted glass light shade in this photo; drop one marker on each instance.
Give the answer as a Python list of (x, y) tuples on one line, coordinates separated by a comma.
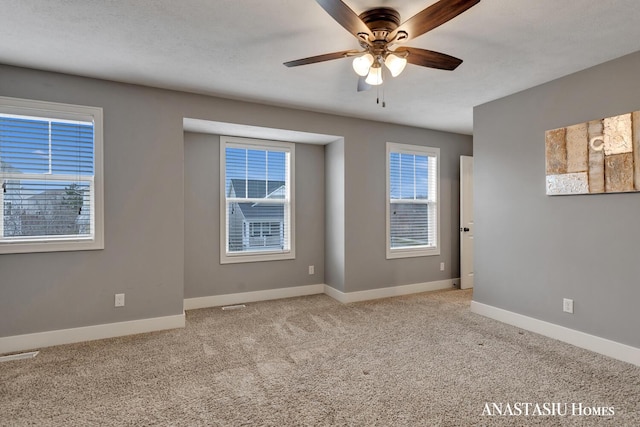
[(361, 64), (375, 76), (395, 64)]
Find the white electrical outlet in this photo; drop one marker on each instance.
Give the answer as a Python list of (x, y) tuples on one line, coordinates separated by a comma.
[(312, 269), (119, 300), (567, 305), (442, 266)]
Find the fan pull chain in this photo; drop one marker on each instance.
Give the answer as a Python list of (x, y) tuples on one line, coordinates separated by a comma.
[(384, 104)]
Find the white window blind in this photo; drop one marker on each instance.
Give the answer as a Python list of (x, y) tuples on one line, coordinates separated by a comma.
[(412, 200), (47, 174), (257, 218)]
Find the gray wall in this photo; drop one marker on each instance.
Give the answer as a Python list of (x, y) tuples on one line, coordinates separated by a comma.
[(203, 273), (144, 156), (532, 250), (335, 215), (143, 199), (366, 263)]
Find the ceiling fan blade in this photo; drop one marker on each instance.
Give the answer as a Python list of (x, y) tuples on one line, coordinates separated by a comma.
[(345, 17), (362, 85), (432, 17), (429, 58), (320, 58)]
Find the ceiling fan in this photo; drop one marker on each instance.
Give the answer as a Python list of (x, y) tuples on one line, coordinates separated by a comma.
[(378, 29)]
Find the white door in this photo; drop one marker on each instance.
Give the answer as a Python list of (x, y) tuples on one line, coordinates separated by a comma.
[(466, 222)]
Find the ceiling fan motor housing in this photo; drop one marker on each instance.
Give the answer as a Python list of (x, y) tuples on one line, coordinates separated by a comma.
[(381, 21)]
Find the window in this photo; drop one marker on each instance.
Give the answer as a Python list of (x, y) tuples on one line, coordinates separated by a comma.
[(51, 177), (256, 200), (265, 229), (412, 201)]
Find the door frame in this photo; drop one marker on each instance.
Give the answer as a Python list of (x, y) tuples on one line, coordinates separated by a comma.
[(466, 227)]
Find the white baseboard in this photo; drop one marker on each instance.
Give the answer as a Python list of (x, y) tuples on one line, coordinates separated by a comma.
[(392, 291), (298, 291), (593, 343), (245, 297), (89, 333)]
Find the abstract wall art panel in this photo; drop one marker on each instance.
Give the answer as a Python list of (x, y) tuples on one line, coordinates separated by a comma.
[(600, 156)]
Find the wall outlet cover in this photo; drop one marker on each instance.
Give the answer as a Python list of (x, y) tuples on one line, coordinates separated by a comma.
[(119, 300), (567, 305)]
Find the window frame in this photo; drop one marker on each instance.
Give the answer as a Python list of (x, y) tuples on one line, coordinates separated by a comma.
[(420, 251), (60, 111), (259, 255)]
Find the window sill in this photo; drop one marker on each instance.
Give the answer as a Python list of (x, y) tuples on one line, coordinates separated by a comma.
[(256, 257), (49, 246), (411, 253)]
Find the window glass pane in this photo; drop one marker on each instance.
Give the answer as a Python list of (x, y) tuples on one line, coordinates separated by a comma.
[(394, 175), (236, 172), (24, 145), (30, 145), (255, 174), (34, 208), (277, 172), (407, 176), (257, 166), (263, 220), (71, 149), (422, 177), (409, 225), (236, 228)]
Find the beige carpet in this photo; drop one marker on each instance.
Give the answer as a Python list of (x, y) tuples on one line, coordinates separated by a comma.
[(420, 360)]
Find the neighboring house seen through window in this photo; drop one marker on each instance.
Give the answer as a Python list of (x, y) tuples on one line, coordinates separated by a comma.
[(256, 200), (412, 201), (50, 176)]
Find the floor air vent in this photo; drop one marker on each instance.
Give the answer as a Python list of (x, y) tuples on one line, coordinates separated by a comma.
[(19, 356), (234, 307)]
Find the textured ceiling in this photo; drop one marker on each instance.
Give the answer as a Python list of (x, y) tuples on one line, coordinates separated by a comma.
[(235, 49)]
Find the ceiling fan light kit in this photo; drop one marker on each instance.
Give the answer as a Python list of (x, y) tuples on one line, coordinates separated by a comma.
[(366, 65), (361, 64), (378, 29), (374, 78), (395, 64)]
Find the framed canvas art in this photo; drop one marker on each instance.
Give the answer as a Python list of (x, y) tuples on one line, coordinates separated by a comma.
[(599, 156)]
